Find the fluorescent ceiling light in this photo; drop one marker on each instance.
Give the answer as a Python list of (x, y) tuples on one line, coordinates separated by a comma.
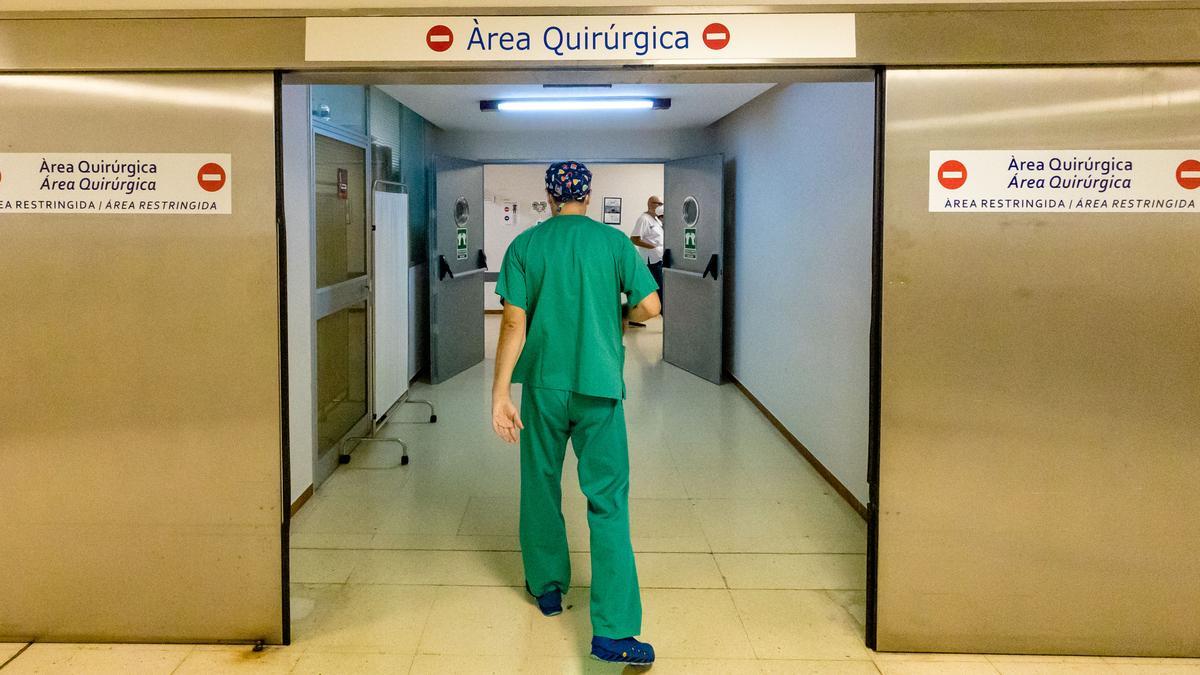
[(576, 104)]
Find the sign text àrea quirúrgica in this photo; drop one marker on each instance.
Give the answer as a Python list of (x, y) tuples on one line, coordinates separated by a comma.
[(105, 176), (560, 41)]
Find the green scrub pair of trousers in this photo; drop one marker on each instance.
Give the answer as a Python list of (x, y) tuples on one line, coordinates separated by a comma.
[(596, 427)]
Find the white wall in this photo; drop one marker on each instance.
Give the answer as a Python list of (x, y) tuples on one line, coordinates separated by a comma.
[(525, 184), (297, 193), (800, 158)]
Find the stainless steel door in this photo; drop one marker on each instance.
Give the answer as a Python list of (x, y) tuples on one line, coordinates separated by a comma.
[(456, 266), (140, 412), (1041, 380), (341, 304), (693, 276)]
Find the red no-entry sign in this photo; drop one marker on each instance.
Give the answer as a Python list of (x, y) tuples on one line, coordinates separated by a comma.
[(952, 174), (716, 36), (1188, 174), (211, 177), (439, 38)]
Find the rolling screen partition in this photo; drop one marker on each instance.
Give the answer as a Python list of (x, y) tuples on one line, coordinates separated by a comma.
[(140, 473)]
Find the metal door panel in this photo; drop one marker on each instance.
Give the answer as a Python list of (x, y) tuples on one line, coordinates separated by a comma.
[(1041, 381), (140, 475), (694, 280), (456, 282)]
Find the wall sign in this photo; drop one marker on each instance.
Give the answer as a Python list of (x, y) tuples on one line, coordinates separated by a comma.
[(689, 243), (1085, 181), (661, 37), (461, 242), (116, 183), (612, 210)]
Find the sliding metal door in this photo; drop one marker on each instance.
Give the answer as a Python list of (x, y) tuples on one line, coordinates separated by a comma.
[(343, 291), (140, 412), (1041, 377)]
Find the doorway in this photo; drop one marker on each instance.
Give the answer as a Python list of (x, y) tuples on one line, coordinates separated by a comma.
[(770, 234)]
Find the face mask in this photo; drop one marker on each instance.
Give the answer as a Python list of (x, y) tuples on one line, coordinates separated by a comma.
[(658, 210)]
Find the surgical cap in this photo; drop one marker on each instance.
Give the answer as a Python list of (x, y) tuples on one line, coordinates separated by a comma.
[(568, 181)]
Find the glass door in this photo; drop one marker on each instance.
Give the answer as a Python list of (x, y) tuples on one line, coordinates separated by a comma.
[(341, 303)]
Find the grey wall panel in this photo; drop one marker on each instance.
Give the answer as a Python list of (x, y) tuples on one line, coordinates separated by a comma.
[(140, 477), (799, 163), (1040, 428)]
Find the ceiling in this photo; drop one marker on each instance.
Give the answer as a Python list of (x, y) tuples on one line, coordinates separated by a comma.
[(456, 107)]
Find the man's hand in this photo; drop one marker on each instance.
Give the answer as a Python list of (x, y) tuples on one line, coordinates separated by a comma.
[(506, 419)]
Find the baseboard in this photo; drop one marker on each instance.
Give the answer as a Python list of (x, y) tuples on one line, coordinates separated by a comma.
[(812, 459), (302, 500)]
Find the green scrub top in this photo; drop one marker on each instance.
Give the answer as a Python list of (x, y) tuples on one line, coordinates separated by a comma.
[(568, 274)]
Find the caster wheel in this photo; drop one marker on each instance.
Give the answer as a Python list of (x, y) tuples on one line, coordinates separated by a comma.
[(404, 461), (433, 419), (343, 459)]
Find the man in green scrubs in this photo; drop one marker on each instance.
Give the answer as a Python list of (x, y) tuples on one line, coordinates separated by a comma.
[(561, 282)]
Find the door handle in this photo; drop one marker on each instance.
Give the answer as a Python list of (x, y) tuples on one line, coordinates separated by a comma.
[(445, 271), (667, 259), (713, 266)]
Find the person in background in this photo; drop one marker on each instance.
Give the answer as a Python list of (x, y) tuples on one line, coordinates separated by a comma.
[(561, 282), (648, 236)]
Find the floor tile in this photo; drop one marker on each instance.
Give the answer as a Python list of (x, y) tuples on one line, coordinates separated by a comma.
[(9, 649), (799, 625), (240, 659), (793, 571), (479, 621), (441, 664), (793, 667), (439, 568), (927, 656), (300, 540), (1156, 668), (854, 602), (322, 566), (444, 542), (100, 659), (363, 618), (694, 624), (1050, 666), (774, 526), (358, 664), (935, 668), (705, 666)]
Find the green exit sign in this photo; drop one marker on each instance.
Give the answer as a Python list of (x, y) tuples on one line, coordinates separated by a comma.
[(689, 243), (462, 243)]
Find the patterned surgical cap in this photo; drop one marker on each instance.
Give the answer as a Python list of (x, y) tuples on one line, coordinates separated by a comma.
[(568, 181)]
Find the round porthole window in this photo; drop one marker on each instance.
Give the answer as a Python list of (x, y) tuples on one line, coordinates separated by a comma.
[(462, 211), (691, 212)]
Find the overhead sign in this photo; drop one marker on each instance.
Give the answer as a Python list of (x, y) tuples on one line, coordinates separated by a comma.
[(1039, 181), (731, 38), (163, 183)]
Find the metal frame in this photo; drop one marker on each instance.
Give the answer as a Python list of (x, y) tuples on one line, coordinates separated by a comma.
[(320, 128)]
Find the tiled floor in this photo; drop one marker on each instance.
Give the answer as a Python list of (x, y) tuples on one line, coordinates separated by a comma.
[(749, 562)]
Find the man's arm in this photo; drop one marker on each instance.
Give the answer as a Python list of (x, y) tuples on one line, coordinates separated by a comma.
[(506, 419), (641, 243), (646, 309)]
